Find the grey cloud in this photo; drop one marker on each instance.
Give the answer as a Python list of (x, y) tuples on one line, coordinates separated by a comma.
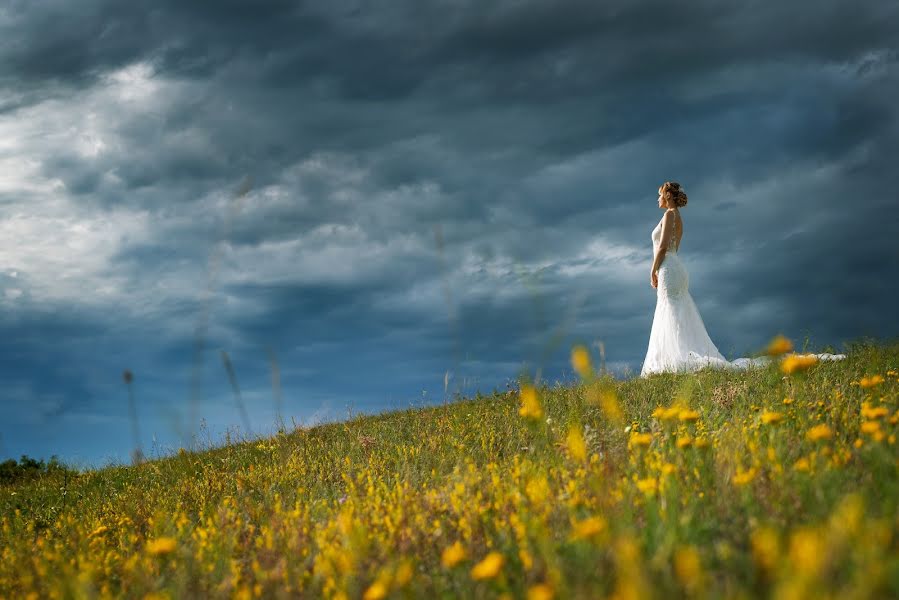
[(522, 135)]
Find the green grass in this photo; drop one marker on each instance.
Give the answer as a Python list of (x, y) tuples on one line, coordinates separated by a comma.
[(372, 503)]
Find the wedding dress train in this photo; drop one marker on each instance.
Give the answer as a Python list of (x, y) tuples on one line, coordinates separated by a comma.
[(678, 340)]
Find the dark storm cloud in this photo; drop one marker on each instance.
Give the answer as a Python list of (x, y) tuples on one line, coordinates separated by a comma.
[(44, 380), (440, 186)]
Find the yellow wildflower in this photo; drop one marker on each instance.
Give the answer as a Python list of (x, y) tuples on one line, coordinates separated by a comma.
[(688, 415), (873, 380), (744, 477), (608, 400), (588, 528), (640, 439), (793, 363), (802, 464), (537, 489), (684, 441), (807, 550), (870, 427), (541, 591), (580, 360), (667, 414), (770, 416), (648, 485), (530, 404), (627, 554), (577, 447), (375, 591), (847, 517), (765, 547), (489, 567), (869, 412), (687, 567), (819, 432), (160, 546), (452, 555), (668, 469), (99, 531), (700, 443), (788, 401), (779, 345), (403, 573)]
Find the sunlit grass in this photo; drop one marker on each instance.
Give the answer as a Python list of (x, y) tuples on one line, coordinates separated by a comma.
[(776, 481)]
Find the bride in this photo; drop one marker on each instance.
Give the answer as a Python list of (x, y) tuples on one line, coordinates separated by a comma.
[(678, 340)]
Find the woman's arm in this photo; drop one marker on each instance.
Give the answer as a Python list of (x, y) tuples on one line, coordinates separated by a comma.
[(667, 232)]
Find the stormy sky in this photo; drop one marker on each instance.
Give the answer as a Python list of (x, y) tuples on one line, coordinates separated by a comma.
[(371, 205)]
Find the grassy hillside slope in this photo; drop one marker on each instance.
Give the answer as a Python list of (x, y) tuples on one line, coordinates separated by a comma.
[(717, 484)]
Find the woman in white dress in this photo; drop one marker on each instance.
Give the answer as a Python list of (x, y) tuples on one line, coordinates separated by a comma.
[(678, 340)]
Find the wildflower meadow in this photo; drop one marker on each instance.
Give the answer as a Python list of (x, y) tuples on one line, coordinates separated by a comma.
[(779, 481)]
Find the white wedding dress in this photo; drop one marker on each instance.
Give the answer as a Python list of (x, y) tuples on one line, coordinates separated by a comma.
[(678, 340)]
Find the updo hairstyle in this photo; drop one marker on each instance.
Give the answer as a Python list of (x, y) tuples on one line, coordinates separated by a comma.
[(673, 194)]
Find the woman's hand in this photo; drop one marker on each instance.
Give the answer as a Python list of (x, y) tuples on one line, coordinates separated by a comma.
[(654, 279)]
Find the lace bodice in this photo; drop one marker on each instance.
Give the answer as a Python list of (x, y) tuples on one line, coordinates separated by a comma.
[(657, 238)]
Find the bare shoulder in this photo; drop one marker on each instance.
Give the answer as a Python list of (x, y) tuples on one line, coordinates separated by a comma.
[(673, 216)]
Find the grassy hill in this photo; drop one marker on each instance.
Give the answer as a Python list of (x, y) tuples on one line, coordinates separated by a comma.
[(776, 481)]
